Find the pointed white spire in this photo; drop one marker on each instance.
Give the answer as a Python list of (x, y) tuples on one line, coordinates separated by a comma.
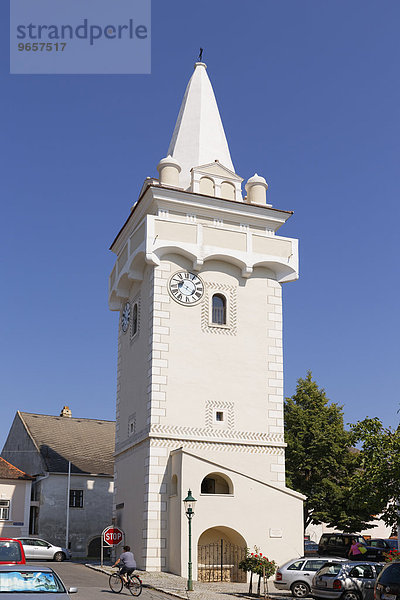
[(199, 136)]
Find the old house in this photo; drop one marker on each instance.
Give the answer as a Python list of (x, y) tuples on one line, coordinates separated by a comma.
[(15, 496), (72, 462)]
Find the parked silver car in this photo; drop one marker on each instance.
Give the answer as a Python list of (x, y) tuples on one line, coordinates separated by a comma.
[(42, 550), (18, 582), (351, 580), (296, 575)]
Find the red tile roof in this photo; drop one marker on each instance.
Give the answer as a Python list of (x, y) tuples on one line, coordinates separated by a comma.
[(8, 471)]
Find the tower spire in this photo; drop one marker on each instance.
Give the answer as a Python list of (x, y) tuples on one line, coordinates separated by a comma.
[(199, 136)]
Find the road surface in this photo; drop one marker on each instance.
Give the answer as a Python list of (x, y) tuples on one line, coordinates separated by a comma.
[(93, 585)]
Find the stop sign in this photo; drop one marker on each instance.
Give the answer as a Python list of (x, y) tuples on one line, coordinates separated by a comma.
[(113, 535)]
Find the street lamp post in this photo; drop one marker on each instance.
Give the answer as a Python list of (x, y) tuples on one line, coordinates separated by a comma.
[(189, 503)]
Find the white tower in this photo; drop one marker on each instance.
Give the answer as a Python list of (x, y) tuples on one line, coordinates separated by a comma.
[(198, 281)]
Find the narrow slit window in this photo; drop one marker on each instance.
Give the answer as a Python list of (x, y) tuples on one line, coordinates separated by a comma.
[(134, 319), (219, 309), (219, 416)]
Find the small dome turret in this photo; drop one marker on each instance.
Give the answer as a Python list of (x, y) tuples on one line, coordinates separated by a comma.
[(169, 169), (256, 188)]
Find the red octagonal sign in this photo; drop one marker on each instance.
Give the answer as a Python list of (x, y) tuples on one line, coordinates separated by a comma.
[(113, 536)]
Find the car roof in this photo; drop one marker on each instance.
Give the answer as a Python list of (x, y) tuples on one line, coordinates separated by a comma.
[(323, 558), (343, 534), (25, 568), (351, 563)]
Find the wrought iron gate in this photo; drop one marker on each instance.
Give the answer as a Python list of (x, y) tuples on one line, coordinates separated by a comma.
[(220, 562)]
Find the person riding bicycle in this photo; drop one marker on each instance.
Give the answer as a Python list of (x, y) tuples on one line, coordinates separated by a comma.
[(127, 560)]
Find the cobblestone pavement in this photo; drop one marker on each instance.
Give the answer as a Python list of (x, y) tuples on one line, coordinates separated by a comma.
[(176, 586)]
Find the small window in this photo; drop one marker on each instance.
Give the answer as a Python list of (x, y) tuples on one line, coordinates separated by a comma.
[(330, 570), (296, 566), (76, 498), (41, 543), (208, 486), (4, 510), (132, 425), (174, 485), (219, 309), (362, 572), (134, 319), (219, 416), (214, 483), (207, 186), (314, 565), (336, 541), (227, 191)]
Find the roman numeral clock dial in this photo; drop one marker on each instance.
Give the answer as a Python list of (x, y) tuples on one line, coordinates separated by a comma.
[(186, 288), (125, 317)]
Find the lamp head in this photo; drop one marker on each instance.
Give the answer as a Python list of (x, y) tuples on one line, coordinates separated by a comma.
[(189, 503)]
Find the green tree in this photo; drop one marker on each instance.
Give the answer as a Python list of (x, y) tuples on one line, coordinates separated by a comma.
[(378, 480), (320, 460)]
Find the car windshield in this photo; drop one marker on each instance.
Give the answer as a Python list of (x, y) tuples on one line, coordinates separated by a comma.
[(10, 551), (390, 574), (330, 570), (30, 581)]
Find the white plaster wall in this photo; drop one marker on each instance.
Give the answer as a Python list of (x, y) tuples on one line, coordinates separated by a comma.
[(18, 492), (133, 363), (256, 511), (130, 489), (224, 364)]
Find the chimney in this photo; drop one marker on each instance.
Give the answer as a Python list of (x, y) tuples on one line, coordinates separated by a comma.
[(66, 412)]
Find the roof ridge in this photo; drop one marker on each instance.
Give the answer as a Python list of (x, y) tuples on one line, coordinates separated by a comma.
[(67, 418)]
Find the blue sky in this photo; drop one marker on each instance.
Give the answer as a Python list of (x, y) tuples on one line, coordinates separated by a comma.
[(309, 97)]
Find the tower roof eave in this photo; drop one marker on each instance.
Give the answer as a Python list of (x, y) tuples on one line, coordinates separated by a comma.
[(151, 183)]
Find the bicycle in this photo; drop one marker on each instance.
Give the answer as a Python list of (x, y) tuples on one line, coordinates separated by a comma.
[(117, 582)]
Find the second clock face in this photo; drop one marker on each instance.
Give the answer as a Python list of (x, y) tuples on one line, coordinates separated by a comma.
[(125, 317), (186, 288)]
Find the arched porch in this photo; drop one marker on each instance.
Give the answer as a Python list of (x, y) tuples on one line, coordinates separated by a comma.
[(219, 552)]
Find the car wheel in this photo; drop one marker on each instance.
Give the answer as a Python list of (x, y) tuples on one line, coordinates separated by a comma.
[(300, 589), (59, 556), (351, 595)]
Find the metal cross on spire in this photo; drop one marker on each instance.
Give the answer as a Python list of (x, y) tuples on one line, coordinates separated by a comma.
[(200, 58)]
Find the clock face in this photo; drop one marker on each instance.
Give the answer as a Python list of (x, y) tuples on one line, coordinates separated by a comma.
[(186, 288), (126, 314)]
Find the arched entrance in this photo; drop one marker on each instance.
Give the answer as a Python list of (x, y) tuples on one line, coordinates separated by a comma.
[(94, 549), (219, 552)]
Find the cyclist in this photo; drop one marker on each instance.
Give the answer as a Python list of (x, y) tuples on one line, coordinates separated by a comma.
[(127, 560)]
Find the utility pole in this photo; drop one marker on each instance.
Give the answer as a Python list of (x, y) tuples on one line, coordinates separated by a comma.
[(67, 518)]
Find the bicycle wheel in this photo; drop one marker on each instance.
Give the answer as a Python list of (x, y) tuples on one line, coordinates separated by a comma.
[(135, 585), (116, 583)]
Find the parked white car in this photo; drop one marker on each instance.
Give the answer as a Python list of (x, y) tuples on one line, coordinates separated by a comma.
[(296, 575), (42, 550)]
